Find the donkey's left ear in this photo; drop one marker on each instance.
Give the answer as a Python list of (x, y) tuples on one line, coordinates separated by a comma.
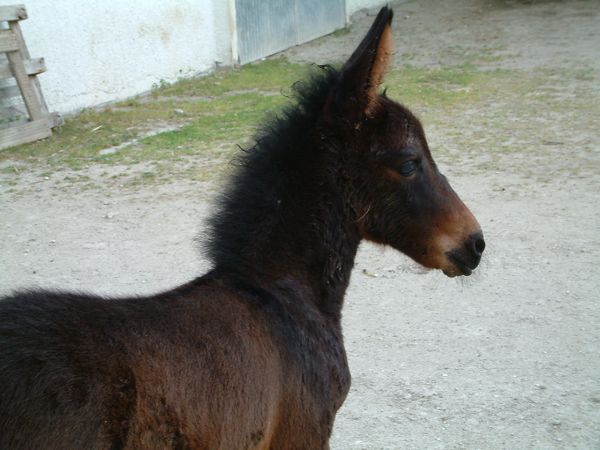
[(363, 73)]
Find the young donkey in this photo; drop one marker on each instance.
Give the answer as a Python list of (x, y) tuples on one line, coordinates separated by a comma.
[(249, 355)]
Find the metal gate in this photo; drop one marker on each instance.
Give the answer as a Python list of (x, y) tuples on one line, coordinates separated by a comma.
[(265, 27)]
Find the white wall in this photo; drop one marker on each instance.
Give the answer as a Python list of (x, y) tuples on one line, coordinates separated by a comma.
[(101, 50), (224, 26), (353, 6)]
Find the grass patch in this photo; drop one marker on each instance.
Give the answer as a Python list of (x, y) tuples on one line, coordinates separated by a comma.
[(268, 76), (217, 109), (441, 87), (190, 129), (341, 31)]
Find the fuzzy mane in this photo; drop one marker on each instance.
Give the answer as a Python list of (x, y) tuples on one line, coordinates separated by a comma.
[(271, 173)]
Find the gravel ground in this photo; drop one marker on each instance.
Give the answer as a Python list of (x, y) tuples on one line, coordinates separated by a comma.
[(506, 359)]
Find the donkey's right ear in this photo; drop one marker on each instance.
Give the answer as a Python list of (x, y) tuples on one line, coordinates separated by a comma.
[(364, 71)]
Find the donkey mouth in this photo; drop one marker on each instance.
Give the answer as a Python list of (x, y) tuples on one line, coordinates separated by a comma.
[(462, 265)]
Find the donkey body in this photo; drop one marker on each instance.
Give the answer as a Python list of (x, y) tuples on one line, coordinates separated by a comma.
[(215, 364), (251, 354)]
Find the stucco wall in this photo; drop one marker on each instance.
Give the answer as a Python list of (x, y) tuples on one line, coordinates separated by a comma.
[(353, 6), (98, 51), (223, 29)]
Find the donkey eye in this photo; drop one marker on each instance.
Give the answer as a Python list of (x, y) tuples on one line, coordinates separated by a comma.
[(407, 168)]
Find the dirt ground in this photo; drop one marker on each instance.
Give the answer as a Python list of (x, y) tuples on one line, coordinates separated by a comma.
[(506, 359)]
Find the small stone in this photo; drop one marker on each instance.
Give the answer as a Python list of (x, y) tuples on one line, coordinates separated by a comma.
[(108, 151), (178, 111)]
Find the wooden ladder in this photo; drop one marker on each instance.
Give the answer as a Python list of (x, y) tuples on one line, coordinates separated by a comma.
[(24, 70)]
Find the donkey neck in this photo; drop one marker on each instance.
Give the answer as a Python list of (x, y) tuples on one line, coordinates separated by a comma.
[(284, 220)]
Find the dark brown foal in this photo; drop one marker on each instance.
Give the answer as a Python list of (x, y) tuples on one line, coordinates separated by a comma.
[(250, 355)]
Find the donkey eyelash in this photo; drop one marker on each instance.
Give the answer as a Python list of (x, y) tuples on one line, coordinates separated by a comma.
[(395, 159), (407, 167)]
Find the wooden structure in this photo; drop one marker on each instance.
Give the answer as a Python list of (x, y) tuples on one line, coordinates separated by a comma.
[(24, 70)]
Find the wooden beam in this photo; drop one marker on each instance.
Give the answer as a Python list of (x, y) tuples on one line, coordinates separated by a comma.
[(32, 67), (23, 69), (30, 97), (16, 117), (13, 12), (16, 28), (8, 41), (21, 134)]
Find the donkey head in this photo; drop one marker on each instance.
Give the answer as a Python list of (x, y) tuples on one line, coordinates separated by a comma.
[(398, 194)]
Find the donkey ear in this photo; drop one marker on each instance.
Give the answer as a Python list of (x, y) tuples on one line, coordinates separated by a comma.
[(365, 69)]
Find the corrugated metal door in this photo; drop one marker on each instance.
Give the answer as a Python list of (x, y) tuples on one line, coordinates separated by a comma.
[(265, 27)]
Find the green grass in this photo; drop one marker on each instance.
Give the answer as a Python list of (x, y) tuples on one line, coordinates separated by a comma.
[(341, 31), (224, 107), (207, 117), (270, 76)]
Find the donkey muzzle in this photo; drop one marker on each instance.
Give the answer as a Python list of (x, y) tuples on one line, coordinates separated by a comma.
[(466, 258)]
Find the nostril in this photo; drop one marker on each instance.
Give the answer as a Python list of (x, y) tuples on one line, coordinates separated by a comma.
[(479, 245), (476, 244)]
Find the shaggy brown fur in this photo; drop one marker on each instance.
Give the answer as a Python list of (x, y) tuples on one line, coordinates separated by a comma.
[(250, 355)]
